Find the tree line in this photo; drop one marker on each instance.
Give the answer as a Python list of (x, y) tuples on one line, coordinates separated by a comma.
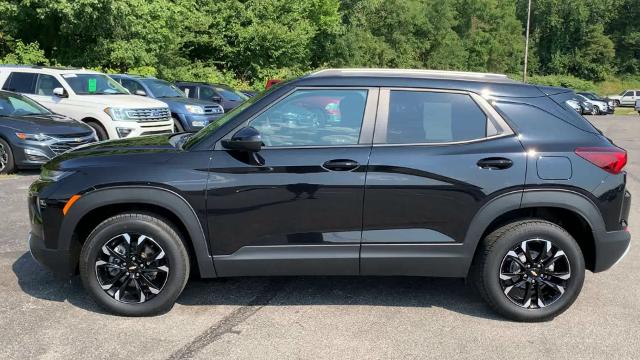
[(246, 41)]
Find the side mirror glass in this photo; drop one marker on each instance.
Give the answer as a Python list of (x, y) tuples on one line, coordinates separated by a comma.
[(60, 92), (140, 92), (245, 139)]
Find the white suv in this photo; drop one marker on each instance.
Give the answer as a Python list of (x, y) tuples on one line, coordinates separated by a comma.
[(91, 97)]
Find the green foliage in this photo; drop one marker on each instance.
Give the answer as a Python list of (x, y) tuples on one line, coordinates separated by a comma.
[(567, 81), (246, 42)]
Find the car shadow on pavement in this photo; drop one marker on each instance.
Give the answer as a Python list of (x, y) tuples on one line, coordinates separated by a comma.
[(447, 293)]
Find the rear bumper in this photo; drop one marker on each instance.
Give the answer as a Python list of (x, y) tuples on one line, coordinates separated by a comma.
[(611, 248), (60, 262)]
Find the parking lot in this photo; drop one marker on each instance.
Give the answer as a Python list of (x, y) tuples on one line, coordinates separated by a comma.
[(306, 317)]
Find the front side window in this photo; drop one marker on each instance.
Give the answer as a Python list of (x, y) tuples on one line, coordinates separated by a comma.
[(93, 84), (46, 84), (131, 85), (231, 94), (433, 117), (15, 105), (314, 118), (190, 91), (207, 93), (21, 82), (628, 93)]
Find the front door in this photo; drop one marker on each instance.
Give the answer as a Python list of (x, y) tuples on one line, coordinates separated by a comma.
[(296, 206), (437, 157)]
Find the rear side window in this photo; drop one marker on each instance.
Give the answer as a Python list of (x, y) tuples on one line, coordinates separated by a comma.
[(190, 91), (21, 82), (433, 117)]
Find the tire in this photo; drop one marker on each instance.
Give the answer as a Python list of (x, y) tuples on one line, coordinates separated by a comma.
[(7, 162), (177, 126), (130, 295), (492, 262), (596, 110), (100, 131), (617, 102)]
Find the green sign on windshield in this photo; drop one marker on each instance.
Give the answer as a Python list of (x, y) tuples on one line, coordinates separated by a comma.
[(92, 85)]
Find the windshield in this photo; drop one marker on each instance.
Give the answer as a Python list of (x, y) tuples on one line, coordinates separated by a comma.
[(162, 89), (230, 94), (17, 105), (93, 84)]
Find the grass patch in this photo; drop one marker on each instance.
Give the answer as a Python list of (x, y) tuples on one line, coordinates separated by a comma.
[(615, 85), (625, 111)]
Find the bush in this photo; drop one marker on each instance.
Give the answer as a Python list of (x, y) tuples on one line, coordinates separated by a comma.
[(566, 81), (25, 54), (200, 71)]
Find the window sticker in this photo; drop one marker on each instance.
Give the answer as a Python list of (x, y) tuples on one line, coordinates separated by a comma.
[(67, 76), (92, 85)]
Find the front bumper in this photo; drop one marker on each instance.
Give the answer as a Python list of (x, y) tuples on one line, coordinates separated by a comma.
[(193, 122), (63, 263)]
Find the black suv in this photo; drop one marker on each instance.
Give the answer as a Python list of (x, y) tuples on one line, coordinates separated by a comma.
[(419, 173)]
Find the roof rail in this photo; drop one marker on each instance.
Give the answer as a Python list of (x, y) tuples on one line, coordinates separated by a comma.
[(355, 71), (40, 67)]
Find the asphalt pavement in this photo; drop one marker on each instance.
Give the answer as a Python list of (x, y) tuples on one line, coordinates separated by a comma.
[(313, 317)]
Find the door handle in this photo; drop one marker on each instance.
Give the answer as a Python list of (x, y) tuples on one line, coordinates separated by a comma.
[(340, 165), (495, 163)]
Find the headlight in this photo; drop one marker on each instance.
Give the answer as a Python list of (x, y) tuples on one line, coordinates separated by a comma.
[(195, 109), (53, 175), (118, 114), (33, 137)]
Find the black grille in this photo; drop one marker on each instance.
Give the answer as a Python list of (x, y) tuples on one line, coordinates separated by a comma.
[(213, 109), (65, 144)]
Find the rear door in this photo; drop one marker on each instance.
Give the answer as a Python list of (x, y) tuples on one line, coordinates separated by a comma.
[(437, 158)]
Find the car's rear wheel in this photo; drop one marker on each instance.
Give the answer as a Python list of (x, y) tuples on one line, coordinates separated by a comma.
[(7, 164), (529, 270), (134, 264), (596, 110)]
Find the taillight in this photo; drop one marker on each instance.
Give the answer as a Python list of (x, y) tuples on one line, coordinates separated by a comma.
[(609, 159)]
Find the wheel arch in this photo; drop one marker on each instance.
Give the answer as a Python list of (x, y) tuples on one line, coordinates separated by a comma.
[(97, 205), (573, 211)]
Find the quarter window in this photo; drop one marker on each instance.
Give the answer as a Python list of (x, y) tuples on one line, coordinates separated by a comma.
[(21, 82), (314, 118), (434, 117), (46, 84)]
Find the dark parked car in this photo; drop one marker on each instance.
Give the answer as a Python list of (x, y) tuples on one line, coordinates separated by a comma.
[(224, 95), (188, 114), (31, 135), (419, 173)]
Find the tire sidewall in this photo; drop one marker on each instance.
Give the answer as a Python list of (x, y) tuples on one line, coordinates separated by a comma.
[(165, 237), (100, 132), (508, 241), (10, 166)]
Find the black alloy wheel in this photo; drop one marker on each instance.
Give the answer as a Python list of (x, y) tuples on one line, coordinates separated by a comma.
[(132, 268), (534, 274)]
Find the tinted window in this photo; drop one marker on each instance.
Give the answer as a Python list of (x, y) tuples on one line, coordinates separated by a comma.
[(21, 82), (230, 94), (628, 93), (163, 89), (131, 85), (432, 117), (207, 93), (46, 84), (314, 118)]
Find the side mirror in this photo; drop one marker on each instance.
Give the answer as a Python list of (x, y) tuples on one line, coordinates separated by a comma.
[(140, 92), (245, 139), (60, 92), (216, 99)]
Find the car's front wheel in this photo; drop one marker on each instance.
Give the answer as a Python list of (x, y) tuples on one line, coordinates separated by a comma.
[(529, 270), (7, 164), (134, 264)]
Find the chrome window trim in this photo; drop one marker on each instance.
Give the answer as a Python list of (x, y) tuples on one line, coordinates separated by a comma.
[(366, 129), (380, 134)]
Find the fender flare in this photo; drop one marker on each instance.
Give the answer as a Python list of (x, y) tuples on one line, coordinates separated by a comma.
[(158, 196), (531, 198)]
